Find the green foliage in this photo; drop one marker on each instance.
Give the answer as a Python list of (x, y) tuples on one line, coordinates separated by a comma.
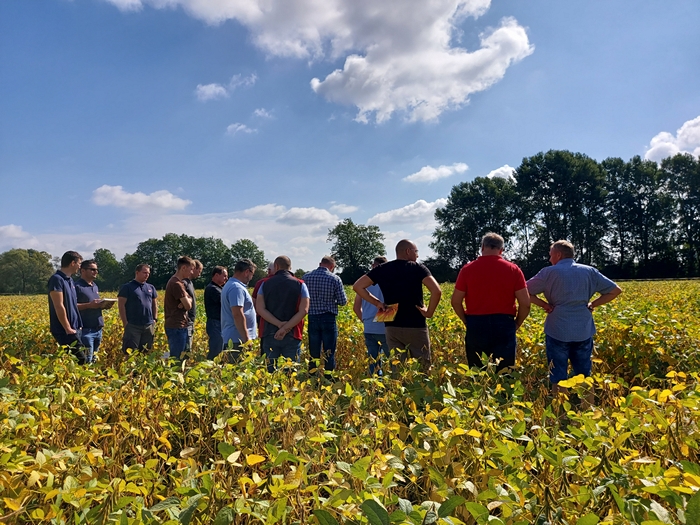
[(111, 275), (247, 249), (24, 271), (354, 248)]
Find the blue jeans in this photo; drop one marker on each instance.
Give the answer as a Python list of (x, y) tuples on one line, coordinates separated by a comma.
[(323, 335), (216, 341), (493, 335), (91, 338), (373, 342), (559, 353), (274, 349), (177, 341)]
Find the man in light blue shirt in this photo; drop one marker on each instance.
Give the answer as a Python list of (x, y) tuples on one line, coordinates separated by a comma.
[(569, 327), (375, 333), (238, 324)]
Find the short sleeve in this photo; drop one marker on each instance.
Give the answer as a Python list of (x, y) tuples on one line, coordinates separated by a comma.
[(519, 279), (237, 296), (461, 283), (304, 291), (536, 284), (260, 290), (55, 284), (155, 293), (424, 272), (123, 291), (602, 283)]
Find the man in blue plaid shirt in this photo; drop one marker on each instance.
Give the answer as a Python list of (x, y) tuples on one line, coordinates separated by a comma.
[(326, 294)]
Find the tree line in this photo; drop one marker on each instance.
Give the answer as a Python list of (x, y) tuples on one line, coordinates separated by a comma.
[(634, 219)]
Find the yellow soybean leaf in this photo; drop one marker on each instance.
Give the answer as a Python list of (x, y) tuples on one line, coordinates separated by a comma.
[(254, 459), (664, 395), (474, 433)]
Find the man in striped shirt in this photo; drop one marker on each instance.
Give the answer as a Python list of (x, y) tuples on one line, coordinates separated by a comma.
[(326, 294)]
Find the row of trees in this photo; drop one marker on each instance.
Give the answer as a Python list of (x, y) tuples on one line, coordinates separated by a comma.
[(631, 219)]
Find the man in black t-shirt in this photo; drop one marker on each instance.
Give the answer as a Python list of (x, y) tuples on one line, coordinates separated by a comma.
[(401, 281)]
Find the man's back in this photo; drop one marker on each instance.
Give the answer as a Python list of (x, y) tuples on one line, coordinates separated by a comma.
[(401, 282), (326, 291), (490, 283)]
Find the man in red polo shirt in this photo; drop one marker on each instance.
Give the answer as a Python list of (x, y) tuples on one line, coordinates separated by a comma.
[(484, 299)]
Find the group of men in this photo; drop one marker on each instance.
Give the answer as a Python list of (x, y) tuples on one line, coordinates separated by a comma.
[(491, 297)]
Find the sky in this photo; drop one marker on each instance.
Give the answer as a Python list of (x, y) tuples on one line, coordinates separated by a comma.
[(273, 120)]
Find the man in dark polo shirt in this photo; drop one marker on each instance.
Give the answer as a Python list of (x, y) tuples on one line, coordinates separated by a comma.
[(485, 297), (138, 310), (64, 320), (212, 305), (401, 282), (90, 307)]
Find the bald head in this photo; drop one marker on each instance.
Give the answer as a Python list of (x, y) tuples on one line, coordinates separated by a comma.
[(283, 263), (406, 250)]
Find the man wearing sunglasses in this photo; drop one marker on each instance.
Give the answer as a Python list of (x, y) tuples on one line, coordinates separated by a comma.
[(90, 307)]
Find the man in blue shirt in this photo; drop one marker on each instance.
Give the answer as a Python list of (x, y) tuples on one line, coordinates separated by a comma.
[(138, 310), (64, 319), (238, 325), (90, 306), (569, 327), (375, 333), (326, 293)]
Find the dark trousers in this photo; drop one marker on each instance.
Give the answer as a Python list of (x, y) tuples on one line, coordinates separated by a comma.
[(74, 344), (493, 335), (323, 337)]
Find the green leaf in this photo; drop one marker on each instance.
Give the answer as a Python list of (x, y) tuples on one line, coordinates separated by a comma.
[(477, 510), (225, 516), (588, 519), (397, 516), (167, 503), (324, 517), (225, 449), (405, 506), (375, 513), (692, 511), (345, 467), (186, 515), (448, 507), (359, 468)]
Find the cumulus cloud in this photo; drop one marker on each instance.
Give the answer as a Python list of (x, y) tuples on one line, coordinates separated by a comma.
[(430, 174), (237, 127), (504, 172), (210, 92), (12, 231), (265, 210), (262, 113), (116, 196), (420, 213), (297, 216), (398, 56), (343, 208), (240, 80), (686, 140)]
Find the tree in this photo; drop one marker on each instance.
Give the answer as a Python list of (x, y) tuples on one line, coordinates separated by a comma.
[(24, 271), (247, 249), (473, 209), (354, 248), (111, 275)]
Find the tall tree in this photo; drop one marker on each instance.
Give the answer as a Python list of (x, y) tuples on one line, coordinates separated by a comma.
[(564, 194), (473, 209), (619, 210), (354, 248), (683, 175), (247, 249), (111, 274), (24, 271)]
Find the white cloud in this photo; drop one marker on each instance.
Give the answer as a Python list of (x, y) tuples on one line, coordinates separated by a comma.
[(262, 113), (12, 231), (265, 210), (116, 196), (399, 56), (504, 172), (236, 222), (343, 208), (240, 80), (237, 127), (420, 213), (296, 216), (687, 140), (430, 174), (210, 92)]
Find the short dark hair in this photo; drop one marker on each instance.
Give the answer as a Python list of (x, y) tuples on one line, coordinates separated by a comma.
[(198, 264), (327, 259), (218, 270), (379, 260), (565, 248), (244, 265), (86, 263), (283, 262), (70, 257), (184, 261), (493, 241), (142, 267)]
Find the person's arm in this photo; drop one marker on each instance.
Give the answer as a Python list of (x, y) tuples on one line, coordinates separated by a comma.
[(604, 298), (360, 288), (541, 303), (240, 322), (357, 307), (340, 296), (154, 307), (457, 302), (185, 302), (435, 293), (57, 300), (264, 312), (95, 303), (121, 303), (523, 298), (288, 326)]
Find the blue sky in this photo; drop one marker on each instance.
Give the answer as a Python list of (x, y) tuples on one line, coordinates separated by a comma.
[(273, 120)]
